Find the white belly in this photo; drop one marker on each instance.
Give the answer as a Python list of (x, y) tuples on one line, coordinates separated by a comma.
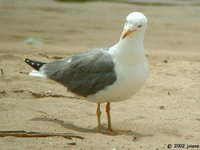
[(129, 81)]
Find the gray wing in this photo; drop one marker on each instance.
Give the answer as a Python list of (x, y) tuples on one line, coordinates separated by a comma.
[(84, 74)]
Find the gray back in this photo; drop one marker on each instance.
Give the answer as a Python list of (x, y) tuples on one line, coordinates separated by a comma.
[(85, 74)]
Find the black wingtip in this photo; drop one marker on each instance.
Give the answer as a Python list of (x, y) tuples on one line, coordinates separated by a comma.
[(34, 64)]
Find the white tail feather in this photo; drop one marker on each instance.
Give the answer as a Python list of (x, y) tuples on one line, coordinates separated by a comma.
[(37, 74)]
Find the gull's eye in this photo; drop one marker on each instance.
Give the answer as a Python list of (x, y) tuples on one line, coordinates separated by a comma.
[(139, 26)]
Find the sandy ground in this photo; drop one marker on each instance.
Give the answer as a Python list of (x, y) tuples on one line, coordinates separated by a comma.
[(166, 111)]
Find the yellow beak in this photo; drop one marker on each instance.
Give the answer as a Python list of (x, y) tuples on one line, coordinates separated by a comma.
[(125, 33)]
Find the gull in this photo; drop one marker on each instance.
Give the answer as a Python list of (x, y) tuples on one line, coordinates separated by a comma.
[(103, 75)]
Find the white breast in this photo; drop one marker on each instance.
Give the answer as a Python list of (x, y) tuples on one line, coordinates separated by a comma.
[(129, 82), (131, 75)]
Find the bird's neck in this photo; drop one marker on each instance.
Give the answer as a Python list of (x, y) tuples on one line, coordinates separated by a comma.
[(129, 50)]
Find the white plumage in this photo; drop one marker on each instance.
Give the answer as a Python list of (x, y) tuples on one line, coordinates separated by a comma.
[(129, 60)]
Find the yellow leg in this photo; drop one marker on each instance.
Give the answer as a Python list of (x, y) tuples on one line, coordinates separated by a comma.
[(108, 116), (99, 117)]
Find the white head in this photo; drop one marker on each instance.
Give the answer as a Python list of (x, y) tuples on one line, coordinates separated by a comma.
[(135, 24)]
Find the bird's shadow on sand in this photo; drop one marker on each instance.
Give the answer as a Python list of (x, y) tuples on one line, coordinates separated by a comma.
[(69, 125)]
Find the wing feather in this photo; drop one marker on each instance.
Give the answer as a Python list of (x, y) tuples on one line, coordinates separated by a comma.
[(83, 74)]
